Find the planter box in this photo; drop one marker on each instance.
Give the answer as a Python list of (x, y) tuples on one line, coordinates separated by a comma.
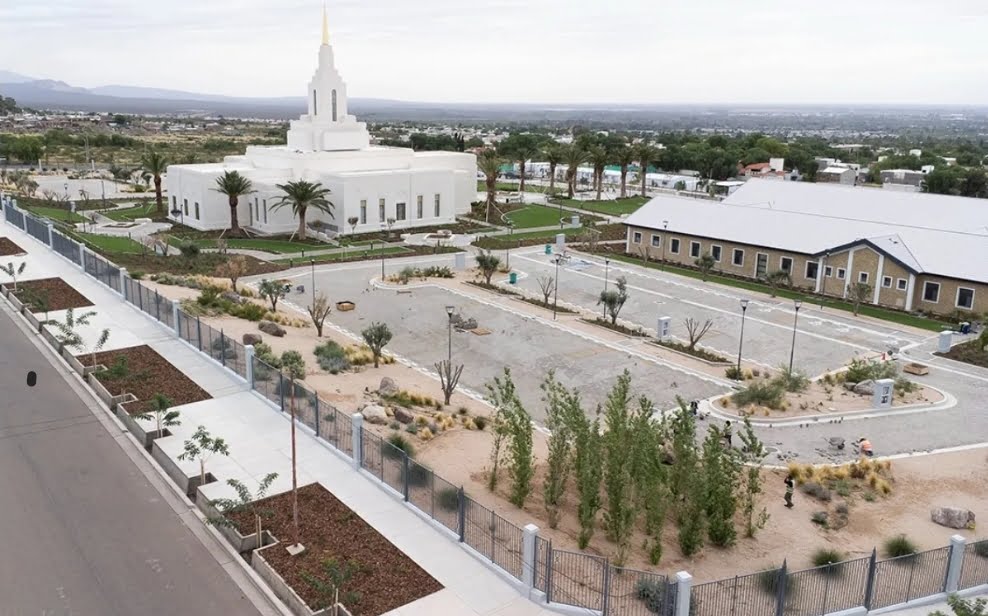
[(146, 436), (241, 543), (345, 306), (53, 341), (189, 485), (16, 303), (917, 369), (108, 399), (33, 320), (281, 588)]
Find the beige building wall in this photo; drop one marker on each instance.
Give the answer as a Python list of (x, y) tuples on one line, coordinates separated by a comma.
[(850, 263)]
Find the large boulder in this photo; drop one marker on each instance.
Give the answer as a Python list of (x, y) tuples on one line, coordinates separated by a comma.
[(865, 388), (404, 415), (271, 328), (375, 414), (252, 339), (952, 517), (388, 387)]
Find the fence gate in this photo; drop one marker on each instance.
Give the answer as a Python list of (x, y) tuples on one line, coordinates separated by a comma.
[(577, 579)]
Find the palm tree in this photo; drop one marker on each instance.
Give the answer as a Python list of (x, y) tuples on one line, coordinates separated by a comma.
[(234, 186), (553, 154), (645, 154), (526, 151), (573, 157), (624, 156), (300, 196), (489, 164), (155, 164), (598, 157)]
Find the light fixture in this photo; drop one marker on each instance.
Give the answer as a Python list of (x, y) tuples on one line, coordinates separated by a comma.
[(744, 304), (449, 310), (797, 303)]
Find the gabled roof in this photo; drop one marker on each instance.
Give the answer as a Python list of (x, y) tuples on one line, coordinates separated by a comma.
[(934, 234)]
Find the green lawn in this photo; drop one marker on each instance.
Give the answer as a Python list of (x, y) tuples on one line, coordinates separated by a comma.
[(613, 207), (393, 250), (876, 312), (536, 216), (264, 245), (55, 213), (111, 243), (130, 213)]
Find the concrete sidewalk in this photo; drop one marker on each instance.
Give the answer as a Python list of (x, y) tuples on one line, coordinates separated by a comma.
[(259, 441)]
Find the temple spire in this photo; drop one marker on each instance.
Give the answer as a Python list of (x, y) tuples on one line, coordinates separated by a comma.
[(325, 27)]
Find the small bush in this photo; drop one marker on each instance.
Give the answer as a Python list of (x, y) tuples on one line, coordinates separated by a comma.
[(395, 425), (841, 509), (412, 428), (820, 517), (768, 581), (137, 275), (480, 421), (828, 556), (733, 373), (425, 434), (863, 370), (463, 410), (331, 357), (248, 310), (842, 487), (398, 444), (652, 593), (762, 393), (981, 548), (817, 491), (904, 386), (869, 496), (795, 381), (189, 250), (448, 499), (900, 545)]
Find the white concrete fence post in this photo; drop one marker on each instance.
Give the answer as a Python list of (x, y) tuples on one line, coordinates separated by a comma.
[(460, 261), (956, 562), (560, 242), (123, 281), (249, 363), (529, 534), (684, 582), (50, 231), (357, 424), (82, 255), (175, 317)]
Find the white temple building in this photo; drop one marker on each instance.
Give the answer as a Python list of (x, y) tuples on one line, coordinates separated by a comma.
[(329, 146)]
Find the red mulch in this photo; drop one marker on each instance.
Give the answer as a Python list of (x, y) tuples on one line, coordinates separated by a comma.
[(387, 579), (8, 248), (60, 294), (149, 374)]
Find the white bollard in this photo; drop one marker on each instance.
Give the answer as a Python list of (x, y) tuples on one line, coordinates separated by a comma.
[(460, 261), (249, 363), (684, 582), (956, 562), (560, 242), (662, 329), (943, 342), (529, 533), (356, 423), (882, 398)]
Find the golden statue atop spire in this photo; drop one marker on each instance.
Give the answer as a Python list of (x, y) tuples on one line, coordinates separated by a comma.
[(325, 26)]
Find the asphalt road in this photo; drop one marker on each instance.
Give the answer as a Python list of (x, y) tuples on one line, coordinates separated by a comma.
[(82, 530)]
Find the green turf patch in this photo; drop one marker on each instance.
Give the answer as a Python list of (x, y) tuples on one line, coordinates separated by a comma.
[(111, 243), (54, 213), (349, 255), (612, 207)]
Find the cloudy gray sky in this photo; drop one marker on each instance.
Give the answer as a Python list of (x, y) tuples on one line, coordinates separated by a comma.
[(636, 51)]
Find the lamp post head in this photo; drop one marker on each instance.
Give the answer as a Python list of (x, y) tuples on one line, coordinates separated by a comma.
[(744, 305), (797, 303), (449, 311)]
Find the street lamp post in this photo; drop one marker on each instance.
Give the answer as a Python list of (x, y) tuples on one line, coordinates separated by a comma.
[(664, 241), (555, 294), (607, 263), (449, 315), (744, 309), (792, 351), (312, 263)]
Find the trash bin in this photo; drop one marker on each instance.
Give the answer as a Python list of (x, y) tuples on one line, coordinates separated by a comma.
[(548, 249), (513, 277), (965, 328)]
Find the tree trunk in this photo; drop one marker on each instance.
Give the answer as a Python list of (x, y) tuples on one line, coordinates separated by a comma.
[(157, 417), (301, 224), (644, 167), (600, 184), (376, 357), (521, 176), (552, 177), (570, 181), (491, 197), (624, 182), (202, 472), (234, 217), (294, 473), (157, 194)]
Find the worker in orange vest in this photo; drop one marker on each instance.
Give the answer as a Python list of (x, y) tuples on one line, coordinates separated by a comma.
[(864, 446)]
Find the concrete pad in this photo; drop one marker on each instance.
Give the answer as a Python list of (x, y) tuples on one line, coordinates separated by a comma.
[(120, 338)]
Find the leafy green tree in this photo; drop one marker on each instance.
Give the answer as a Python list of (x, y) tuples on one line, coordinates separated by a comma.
[(561, 405), (705, 263), (573, 157), (155, 164), (721, 469), (599, 157), (515, 424), (273, 291), (245, 502), (331, 585), (376, 336), (521, 147), (201, 446), (489, 164), (618, 449), (613, 299), (301, 195), (754, 454), (858, 293), (650, 475), (645, 154), (755, 155), (14, 271), (160, 408), (943, 181), (624, 157), (488, 264), (553, 154), (686, 482), (588, 469), (234, 186), (965, 607), (974, 183)]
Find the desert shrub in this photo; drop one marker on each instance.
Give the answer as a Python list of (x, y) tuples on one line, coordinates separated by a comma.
[(331, 357), (820, 517), (795, 381), (900, 545), (841, 509), (463, 410), (406, 274), (395, 425), (448, 499), (209, 296), (652, 593), (436, 271), (410, 399), (817, 490), (828, 556), (762, 393), (425, 434), (396, 445), (412, 428), (869, 497), (137, 275), (418, 475), (247, 310), (981, 548), (189, 250), (769, 579), (864, 370), (904, 386), (733, 373), (480, 421)]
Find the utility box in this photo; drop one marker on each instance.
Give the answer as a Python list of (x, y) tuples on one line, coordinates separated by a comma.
[(943, 342), (560, 242), (663, 328), (460, 261), (574, 220), (884, 388)]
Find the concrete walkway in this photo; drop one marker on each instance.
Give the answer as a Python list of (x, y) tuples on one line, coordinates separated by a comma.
[(259, 440)]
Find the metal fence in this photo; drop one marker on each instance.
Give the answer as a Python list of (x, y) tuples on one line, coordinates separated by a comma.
[(831, 588), (36, 229), (755, 594), (905, 578), (14, 216), (102, 270), (149, 301), (66, 247), (975, 569)]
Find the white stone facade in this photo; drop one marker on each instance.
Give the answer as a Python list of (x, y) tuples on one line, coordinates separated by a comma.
[(369, 183)]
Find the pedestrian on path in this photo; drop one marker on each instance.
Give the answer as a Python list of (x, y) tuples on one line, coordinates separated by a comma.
[(790, 486), (728, 433), (864, 446)]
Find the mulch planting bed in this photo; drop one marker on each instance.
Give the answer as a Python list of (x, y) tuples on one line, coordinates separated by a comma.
[(387, 578), (147, 374), (968, 352), (206, 264), (9, 248), (59, 294)]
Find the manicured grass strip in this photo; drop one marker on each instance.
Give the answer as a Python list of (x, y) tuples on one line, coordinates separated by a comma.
[(613, 207), (264, 245), (111, 243), (536, 216), (350, 255), (130, 213), (55, 213), (829, 302)]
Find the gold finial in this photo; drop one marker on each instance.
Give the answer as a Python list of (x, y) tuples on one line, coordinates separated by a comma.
[(325, 27)]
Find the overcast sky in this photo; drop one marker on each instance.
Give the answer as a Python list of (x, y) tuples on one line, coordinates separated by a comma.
[(635, 51)]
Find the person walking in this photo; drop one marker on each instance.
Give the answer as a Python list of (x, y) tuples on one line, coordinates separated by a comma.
[(728, 433), (695, 408), (790, 487), (864, 446)]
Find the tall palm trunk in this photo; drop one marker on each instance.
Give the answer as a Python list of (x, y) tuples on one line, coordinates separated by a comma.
[(234, 216), (552, 177), (157, 194), (301, 223), (600, 183), (643, 171), (521, 174), (570, 182), (491, 196), (624, 181)]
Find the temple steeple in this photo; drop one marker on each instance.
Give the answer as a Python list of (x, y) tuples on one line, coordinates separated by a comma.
[(325, 26)]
